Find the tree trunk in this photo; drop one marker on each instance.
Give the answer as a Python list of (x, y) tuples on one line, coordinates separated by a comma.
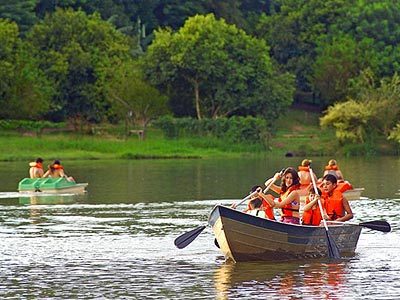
[(197, 99)]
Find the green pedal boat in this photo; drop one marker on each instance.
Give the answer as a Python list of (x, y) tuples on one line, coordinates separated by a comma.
[(51, 185)]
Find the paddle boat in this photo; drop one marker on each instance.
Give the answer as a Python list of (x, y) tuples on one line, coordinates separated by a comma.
[(51, 185), (244, 237)]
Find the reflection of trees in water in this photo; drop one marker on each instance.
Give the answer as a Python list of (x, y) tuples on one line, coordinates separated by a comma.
[(289, 280)]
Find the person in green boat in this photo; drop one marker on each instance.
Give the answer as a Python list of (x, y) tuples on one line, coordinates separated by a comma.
[(56, 170), (36, 168)]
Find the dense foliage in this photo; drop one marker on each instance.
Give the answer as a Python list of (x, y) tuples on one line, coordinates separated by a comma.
[(58, 60)]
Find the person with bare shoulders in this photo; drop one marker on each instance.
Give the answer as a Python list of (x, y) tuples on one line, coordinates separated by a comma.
[(336, 206), (56, 170), (304, 174), (289, 197), (36, 168), (333, 168)]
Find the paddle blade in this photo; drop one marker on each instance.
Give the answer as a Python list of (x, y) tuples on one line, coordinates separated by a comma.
[(185, 239), (377, 225), (333, 250)]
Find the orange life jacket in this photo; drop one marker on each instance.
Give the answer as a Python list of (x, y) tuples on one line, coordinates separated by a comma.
[(331, 168), (37, 165), (334, 204), (288, 210), (344, 186), (269, 212), (312, 216), (302, 168), (58, 167)]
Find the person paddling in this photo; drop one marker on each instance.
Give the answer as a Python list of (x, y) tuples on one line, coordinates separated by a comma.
[(336, 205), (312, 214), (289, 197), (56, 170)]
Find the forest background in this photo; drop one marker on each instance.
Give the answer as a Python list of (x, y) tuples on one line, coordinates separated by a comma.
[(196, 78)]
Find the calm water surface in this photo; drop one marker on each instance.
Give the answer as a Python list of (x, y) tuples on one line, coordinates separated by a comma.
[(116, 241)]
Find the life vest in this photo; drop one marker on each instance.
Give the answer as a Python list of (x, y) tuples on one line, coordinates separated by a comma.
[(302, 168), (288, 210), (331, 168), (36, 165), (312, 216), (304, 183), (334, 204), (344, 186), (266, 208), (58, 167)]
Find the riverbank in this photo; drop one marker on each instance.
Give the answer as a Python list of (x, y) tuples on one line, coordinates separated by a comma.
[(298, 135)]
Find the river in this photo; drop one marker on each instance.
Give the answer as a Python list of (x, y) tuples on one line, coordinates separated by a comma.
[(116, 241)]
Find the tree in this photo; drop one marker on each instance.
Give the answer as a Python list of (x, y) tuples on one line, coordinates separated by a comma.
[(77, 52), (25, 92), (375, 109), (337, 62), (133, 97), (21, 12), (228, 71)]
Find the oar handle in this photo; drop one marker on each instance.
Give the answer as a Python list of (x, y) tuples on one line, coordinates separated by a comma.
[(273, 181), (245, 198)]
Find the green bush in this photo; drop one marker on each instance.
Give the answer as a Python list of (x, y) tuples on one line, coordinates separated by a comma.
[(234, 129)]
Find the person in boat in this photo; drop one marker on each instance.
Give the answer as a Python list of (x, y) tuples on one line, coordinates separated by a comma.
[(255, 208), (333, 168), (258, 202), (304, 174), (56, 170), (36, 168), (289, 197), (337, 208), (312, 214)]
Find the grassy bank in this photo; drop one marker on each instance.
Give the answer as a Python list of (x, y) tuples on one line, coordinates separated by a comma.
[(298, 134)]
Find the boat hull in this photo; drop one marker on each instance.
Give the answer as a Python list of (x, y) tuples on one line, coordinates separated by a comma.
[(50, 185), (243, 237)]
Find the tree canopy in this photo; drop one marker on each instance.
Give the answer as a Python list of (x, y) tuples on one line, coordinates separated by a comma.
[(228, 71)]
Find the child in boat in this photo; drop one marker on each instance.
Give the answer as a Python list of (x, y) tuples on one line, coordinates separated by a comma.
[(312, 214), (255, 208), (258, 202), (336, 205), (36, 168), (289, 197)]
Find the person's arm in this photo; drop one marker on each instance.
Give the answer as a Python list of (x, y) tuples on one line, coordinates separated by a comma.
[(45, 175), (347, 209), (274, 187), (311, 204), (267, 199)]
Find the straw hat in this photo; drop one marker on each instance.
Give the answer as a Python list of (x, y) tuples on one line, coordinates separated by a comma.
[(306, 162)]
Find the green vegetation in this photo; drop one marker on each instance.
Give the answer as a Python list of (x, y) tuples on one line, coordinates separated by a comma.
[(127, 63)]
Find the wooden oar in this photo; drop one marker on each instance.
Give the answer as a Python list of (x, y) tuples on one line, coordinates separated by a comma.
[(333, 250), (378, 225), (186, 238)]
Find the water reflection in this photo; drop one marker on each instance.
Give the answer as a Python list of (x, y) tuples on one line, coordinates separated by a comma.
[(49, 199), (257, 280)]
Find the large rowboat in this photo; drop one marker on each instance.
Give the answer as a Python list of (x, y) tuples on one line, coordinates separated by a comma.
[(51, 185), (243, 237)]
